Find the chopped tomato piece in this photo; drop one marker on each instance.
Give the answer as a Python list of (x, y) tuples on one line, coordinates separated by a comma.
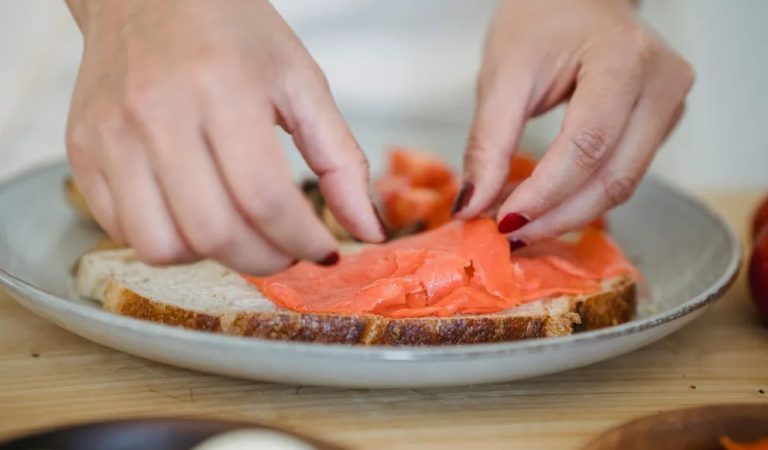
[(521, 167), (601, 223), (422, 169), (418, 187)]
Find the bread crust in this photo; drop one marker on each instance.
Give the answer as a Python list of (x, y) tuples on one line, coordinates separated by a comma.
[(611, 307)]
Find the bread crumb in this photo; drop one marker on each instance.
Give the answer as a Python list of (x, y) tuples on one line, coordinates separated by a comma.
[(693, 386), (35, 355), (762, 391)]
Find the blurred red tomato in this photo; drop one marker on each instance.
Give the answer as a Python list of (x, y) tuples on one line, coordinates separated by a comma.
[(417, 187), (758, 273), (760, 220), (422, 169), (521, 167), (601, 223)]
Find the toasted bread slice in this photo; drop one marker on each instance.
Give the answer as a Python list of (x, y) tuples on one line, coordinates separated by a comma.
[(208, 296)]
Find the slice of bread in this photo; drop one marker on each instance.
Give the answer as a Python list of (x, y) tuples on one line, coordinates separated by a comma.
[(208, 296)]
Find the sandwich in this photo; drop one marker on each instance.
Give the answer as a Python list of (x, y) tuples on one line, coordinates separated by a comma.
[(444, 282)]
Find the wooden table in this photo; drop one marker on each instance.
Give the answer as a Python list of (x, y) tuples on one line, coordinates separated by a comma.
[(50, 377)]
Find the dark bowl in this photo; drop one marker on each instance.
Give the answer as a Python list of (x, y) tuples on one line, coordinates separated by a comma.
[(144, 434), (699, 428)]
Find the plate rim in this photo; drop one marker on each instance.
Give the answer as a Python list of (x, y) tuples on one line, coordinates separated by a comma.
[(39, 296)]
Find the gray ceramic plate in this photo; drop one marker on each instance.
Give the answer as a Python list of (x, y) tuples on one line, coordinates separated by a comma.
[(687, 254)]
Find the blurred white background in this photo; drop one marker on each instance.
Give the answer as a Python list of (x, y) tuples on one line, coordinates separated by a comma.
[(413, 63)]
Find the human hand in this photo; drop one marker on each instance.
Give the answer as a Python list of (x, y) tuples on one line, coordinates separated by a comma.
[(171, 134), (626, 91)]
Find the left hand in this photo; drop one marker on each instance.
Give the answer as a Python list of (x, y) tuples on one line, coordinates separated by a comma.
[(626, 88)]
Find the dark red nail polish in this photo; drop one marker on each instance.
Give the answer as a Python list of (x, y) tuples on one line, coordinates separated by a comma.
[(330, 259), (382, 225), (512, 222), (463, 198), (516, 244)]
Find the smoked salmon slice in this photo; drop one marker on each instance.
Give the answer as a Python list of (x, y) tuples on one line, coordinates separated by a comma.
[(457, 268)]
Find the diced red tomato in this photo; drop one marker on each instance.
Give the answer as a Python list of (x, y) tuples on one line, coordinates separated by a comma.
[(758, 273), (521, 167), (410, 205), (760, 219), (421, 168), (601, 223), (417, 187)]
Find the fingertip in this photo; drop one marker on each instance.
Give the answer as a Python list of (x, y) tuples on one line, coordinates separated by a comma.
[(516, 244), (347, 197), (330, 259), (383, 230), (511, 222), (462, 198)]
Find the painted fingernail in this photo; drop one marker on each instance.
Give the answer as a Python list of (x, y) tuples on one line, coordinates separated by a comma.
[(463, 198), (382, 225), (512, 222), (330, 259), (516, 244)]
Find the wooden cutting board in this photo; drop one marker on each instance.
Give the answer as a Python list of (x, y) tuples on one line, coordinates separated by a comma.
[(49, 377)]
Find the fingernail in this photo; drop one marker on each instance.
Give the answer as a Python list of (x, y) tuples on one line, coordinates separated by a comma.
[(382, 226), (330, 259), (516, 244), (512, 222), (463, 198)]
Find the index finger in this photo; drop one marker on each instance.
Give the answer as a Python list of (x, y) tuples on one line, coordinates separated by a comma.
[(331, 151), (594, 122)]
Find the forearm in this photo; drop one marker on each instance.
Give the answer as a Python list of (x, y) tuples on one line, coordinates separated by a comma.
[(78, 10)]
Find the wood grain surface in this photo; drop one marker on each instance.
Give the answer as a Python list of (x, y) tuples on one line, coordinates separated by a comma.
[(51, 377)]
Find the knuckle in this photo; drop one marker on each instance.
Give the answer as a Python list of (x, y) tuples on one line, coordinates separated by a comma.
[(110, 125), (303, 81), (630, 52), (637, 44), (590, 147), (309, 72), (619, 189), (143, 98), (477, 154), (264, 209), (76, 141), (317, 77), (475, 144), (352, 162), (358, 162), (210, 238), (687, 76), (207, 67)]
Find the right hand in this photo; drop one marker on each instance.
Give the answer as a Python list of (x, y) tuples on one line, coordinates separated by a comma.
[(171, 135)]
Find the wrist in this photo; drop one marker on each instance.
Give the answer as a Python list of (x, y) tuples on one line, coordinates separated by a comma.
[(91, 14)]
